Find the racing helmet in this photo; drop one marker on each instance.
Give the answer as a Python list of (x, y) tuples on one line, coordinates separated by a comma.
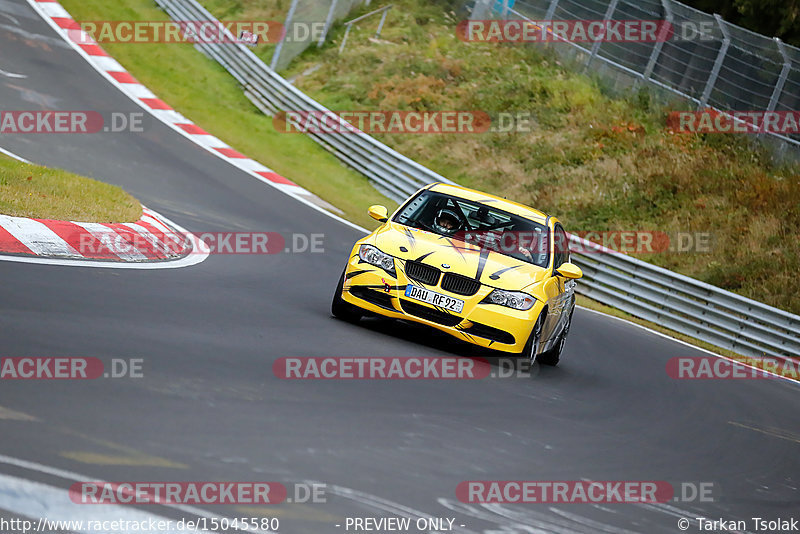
[(447, 222)]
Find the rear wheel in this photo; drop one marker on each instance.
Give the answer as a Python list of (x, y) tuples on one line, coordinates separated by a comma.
[(342, 309)]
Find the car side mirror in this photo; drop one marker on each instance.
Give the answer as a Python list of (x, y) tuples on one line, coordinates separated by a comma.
[(569, 270), (379, 213)]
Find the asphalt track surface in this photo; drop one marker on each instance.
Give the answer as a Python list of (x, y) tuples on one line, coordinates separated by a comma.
[(210, 408)]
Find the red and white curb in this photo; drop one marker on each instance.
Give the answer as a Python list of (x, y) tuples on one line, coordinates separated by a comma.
[(61, 21), (152, 242), (148, 239)]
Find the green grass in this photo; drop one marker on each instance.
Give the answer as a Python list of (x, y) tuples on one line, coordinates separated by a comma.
[(201, 90), (45, 193)]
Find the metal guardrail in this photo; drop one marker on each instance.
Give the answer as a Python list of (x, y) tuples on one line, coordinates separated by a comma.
[(680, 303), (685, 305), (394, 174)]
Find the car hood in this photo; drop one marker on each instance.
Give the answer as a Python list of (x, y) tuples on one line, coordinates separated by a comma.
[(489, 267)]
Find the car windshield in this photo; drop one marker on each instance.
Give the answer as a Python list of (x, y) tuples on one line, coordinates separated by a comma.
[(477, 224)]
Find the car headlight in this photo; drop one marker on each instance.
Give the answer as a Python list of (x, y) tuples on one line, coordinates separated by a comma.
[(374, 256), (510, 299)]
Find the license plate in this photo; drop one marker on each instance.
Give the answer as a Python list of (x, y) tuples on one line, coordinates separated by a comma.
[(432, 297)]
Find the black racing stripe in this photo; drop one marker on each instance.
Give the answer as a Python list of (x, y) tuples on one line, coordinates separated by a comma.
[(496, 275), (356, 273), (383, 287), (423, 256), (482, 263), (444, 310), (458, 249), (410, 236)]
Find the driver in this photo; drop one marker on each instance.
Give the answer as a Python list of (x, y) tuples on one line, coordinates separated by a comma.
[(447, 222)]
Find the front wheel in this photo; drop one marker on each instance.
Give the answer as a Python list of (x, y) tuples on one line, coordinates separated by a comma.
[(342, 309), (553, 356), (532, 346)]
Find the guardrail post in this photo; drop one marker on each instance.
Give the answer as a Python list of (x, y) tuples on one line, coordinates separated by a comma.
[(662, 36), (723, 49), (328, 22), (607, 17), (277, 53)]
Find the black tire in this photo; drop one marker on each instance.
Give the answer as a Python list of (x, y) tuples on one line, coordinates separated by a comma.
[(529, 352), (553, 356), (342, 309)]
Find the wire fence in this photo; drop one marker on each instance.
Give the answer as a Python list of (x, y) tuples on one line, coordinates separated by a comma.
[(706, 60)]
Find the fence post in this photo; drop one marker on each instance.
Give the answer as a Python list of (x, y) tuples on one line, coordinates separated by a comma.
[(551, 10), (662, 36), (787, 66), (723, 49), (596, 46), (344, 39), (380, 25), (479, 9), (277, 53), (328, 22), (776, 92)]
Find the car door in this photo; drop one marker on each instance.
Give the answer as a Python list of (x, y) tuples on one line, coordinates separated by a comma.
[(563, 289)]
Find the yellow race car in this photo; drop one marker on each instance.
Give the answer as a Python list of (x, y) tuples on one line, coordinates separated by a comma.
[(486, 270)]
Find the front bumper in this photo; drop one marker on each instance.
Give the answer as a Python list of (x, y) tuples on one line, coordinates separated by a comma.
[(488, 325)]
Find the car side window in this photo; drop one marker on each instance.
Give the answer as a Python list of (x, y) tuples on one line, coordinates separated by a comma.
[(561, 245)]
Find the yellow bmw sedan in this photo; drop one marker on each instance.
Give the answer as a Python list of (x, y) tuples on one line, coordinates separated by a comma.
[(486, 270)]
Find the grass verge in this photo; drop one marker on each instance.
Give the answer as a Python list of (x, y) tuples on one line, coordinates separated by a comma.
[(205, 93), (44, 193)]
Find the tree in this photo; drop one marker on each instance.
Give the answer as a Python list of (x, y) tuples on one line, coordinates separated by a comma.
[(772, 18)]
